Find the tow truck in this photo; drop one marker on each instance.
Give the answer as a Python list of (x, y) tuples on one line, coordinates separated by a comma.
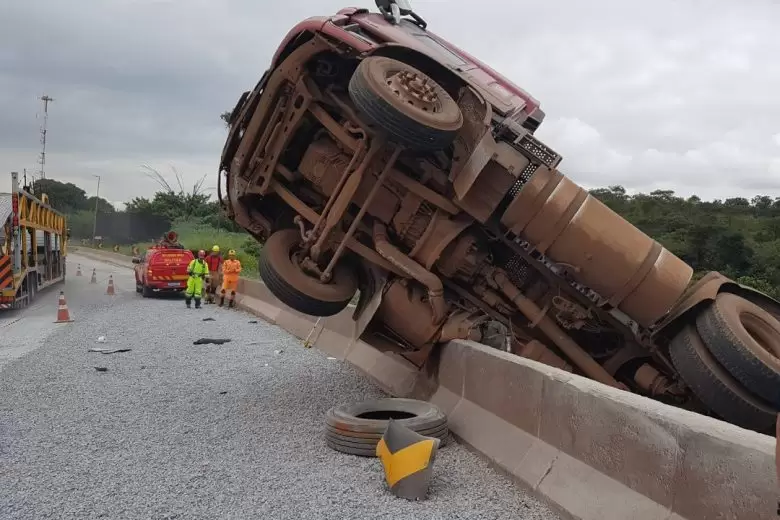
[(26, 269)]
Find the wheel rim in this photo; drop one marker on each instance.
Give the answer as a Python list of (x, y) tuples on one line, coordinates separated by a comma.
[(761, 333), (413, 93), (414, 89)]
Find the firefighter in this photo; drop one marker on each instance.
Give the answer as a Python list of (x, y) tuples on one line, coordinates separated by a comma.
[(198, 269), (214, 261), (230, 271)]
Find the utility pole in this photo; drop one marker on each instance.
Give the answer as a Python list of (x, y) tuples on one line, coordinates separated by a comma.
[(46, 99), (97, 201)]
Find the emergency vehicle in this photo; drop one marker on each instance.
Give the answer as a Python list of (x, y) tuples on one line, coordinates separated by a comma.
[(33, 246), (162, 267)]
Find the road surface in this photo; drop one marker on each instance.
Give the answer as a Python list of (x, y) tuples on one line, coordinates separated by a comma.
[(176, 430)]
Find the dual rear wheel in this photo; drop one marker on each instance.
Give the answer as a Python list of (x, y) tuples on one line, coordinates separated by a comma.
[(731, 360)]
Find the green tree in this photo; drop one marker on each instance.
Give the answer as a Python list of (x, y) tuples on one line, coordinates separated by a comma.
[(65, 197)]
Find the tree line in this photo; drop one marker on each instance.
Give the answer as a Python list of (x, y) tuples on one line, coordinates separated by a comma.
[(735, 236), (173, 201)]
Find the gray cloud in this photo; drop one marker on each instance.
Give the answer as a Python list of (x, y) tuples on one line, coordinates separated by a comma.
[(659, 95)]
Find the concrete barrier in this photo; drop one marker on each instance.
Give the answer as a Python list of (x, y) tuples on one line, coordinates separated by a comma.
[(593, 451), (596, 452)]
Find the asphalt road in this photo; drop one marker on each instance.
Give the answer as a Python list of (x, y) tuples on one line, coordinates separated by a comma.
[(176, 430)]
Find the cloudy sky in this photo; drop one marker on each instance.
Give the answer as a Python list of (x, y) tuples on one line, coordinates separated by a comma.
[(681, 95)]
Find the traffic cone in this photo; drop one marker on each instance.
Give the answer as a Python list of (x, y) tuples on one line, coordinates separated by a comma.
[(63, 315), (94, 276), (78, 270), (110, 290)]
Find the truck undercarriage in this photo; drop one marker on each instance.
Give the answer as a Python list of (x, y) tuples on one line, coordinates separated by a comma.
[(387, 174)]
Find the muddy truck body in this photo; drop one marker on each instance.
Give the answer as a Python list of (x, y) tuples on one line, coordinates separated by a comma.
[(374, 157)]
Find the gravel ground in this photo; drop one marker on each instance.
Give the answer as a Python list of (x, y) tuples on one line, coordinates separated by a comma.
[(174, 430)]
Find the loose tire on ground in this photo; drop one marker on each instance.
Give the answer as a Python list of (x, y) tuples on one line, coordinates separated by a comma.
[(745, 340), (299, 291), (715, 387), (356, 429), (418, 124)]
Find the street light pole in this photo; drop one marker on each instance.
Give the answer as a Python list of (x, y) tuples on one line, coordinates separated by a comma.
[(97, 201)]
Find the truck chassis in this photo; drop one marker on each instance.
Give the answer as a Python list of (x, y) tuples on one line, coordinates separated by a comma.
[(364, 162)]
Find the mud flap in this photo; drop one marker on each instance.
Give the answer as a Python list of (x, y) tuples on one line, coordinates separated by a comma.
[(370, 299)]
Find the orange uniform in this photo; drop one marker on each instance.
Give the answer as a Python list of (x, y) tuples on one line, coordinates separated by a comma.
[(231, 269)]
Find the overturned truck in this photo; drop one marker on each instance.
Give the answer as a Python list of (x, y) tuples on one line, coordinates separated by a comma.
[(375, 157)]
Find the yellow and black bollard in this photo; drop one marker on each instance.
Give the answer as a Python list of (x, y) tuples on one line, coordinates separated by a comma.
[(407, 458)]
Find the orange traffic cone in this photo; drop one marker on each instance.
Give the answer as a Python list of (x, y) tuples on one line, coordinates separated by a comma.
[(63, 315), (94, 276), (110, 290), (78, 270)]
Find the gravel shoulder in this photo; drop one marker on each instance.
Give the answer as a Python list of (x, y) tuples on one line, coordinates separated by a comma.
[(176, 430)]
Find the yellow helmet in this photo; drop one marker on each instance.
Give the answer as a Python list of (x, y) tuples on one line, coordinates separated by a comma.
[(215, 249), (232, 252)]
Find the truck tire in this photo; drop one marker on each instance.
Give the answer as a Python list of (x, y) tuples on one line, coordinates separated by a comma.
[(715, 387), (356, 429), (409, 106), (745, 339), (146, 291), (299, 291)]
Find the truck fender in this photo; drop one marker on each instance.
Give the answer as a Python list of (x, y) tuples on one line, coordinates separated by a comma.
[(705, 291)]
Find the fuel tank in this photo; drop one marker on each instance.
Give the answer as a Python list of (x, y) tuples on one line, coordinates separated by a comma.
[(602, 250)]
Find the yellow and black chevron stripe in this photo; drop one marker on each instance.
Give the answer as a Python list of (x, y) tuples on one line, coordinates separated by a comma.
[(172, 278), (6, 273), (407, 458)]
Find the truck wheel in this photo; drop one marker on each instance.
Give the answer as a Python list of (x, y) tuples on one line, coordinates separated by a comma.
[(146, 291), (356, 429), (409, 106), (299, 291), (745, 339), (715, 387)]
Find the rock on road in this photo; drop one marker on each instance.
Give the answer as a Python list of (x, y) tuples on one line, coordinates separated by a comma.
[(176, 430)]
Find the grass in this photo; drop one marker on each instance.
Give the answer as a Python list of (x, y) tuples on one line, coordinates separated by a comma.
[(193, 236)]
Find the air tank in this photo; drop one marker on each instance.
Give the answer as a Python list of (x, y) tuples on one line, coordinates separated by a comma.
[(604, 251)]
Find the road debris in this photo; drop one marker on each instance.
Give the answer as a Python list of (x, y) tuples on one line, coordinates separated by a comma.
[(277, 352), (101, 339), (101, 369), (253, 321), (208, 319), (356, 429), (108, 351), (206, 341)]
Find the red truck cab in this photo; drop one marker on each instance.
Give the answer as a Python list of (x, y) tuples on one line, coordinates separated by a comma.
[(162, 267)]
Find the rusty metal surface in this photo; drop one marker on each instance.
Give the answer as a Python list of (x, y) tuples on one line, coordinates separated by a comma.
[(481, 223)]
